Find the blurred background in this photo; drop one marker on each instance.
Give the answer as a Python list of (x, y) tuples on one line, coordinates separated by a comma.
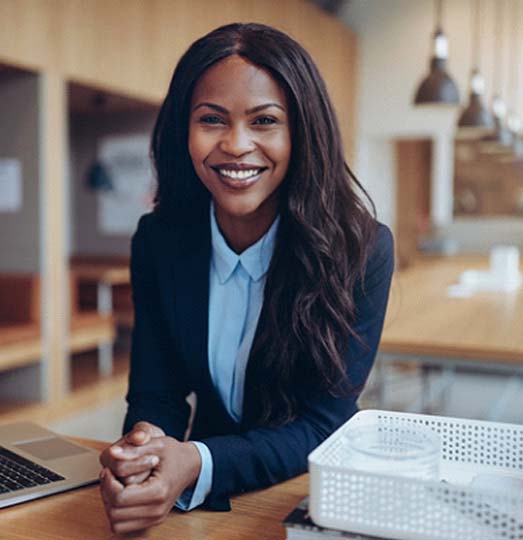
[(429, 99)]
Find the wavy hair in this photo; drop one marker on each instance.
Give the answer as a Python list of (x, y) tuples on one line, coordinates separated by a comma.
[(326, 230)]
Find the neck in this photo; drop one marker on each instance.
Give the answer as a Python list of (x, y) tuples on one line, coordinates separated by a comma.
[(241, 232)]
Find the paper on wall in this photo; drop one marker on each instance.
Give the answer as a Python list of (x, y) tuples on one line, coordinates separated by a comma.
[(10, 185), (126, 159)]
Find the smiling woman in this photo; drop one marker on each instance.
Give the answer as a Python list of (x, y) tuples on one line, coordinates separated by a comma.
[(260, 283)]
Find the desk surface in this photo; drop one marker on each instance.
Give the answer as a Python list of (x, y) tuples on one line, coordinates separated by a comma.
[(79, 515), (422, 319)]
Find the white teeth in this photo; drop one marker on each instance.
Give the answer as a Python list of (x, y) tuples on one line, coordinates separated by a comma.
[(239, 175)]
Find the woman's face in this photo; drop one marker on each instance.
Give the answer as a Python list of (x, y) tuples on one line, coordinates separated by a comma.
[(239, 138)]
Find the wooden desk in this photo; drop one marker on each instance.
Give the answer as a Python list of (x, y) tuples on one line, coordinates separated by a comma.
[(424, 324), (79, 515), (422, 318)]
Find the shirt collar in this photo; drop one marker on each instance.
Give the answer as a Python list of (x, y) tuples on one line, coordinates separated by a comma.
[(255, 259)]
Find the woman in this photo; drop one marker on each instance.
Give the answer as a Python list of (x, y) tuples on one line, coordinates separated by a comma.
[(260, 283)]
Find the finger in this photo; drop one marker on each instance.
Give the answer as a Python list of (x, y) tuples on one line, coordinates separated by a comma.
[(123, 468), (152, 491), (139, 435), (105, 456), (135, 478), (153, 430), (132, 513), (103, 493), (130, 451), (143, 432), (111, 488)]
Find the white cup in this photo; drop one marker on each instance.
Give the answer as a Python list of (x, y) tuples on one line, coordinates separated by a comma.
[(504, 263)]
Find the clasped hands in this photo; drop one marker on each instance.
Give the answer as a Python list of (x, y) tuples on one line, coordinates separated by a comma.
[(143, 475)]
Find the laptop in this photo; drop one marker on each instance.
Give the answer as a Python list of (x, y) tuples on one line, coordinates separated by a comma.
[(35, 462)]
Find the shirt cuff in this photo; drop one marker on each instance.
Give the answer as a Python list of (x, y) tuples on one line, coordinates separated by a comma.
[(193, 497)]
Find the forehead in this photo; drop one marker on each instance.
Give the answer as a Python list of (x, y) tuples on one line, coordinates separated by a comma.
[(234, 80)]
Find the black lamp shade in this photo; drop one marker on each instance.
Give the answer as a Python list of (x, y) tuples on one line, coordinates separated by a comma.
[(475, 114), (98, 178), (437, 87)]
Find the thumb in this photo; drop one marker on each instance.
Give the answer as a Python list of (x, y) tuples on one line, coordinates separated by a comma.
[(142, 433)]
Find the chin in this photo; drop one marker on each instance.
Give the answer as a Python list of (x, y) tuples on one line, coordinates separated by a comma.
[(239, 209)]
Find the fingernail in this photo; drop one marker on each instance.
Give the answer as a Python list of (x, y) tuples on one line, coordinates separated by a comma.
[(154, 460), (102, 474), (116, 449)]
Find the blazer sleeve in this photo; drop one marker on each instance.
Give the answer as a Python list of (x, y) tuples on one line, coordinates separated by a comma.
[(262, 456), (157, 384)]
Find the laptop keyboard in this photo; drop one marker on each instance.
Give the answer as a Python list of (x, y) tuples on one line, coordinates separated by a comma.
[(17, 472)]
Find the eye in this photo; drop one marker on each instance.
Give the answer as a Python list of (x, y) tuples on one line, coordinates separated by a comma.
[(211, 119), (265, 121)]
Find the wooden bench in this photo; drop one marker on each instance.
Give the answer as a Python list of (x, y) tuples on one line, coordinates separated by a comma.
[(20, 330)]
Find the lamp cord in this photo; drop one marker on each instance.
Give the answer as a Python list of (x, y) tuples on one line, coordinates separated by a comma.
[(514, 56), (438, 15), (476, 31), (498, 48)]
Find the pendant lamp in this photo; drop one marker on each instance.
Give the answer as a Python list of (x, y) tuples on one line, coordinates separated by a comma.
[(476, 115), (98, 177), (438, 86)]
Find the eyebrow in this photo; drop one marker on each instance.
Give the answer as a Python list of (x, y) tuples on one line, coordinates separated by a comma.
[(223, 110)]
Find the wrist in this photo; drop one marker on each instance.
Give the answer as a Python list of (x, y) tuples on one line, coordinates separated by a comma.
[(194, 463)]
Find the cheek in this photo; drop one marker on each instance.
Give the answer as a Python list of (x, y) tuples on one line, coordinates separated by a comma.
[(282, 151), (198, 148), (193, 148)]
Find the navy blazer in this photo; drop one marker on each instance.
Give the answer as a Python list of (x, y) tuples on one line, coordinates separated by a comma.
[(170, 281)]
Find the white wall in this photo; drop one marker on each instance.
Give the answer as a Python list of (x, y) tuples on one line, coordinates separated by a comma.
[(394, 42)]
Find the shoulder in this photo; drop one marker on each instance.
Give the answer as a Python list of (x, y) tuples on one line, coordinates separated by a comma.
[(158, 233), (380, 261), (382, 245)]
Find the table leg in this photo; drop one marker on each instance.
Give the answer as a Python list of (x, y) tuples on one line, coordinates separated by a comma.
[(512, 388), (105, 359), (105, 298), (105, 307)]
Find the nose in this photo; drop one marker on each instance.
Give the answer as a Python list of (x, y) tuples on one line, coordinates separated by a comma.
[(237, 141)]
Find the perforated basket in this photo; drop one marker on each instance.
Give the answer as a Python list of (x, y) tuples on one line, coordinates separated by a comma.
[(411, 509)]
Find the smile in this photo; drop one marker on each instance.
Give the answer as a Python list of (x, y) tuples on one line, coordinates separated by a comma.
[(238, 177), (239, 174)]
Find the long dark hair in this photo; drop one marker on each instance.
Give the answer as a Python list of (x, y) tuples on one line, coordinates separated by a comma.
[(325, 231)]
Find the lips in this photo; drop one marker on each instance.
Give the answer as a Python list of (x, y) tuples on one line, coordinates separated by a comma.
[(238, 176)]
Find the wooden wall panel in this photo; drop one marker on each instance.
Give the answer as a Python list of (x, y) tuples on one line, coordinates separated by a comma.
[(131, 46)]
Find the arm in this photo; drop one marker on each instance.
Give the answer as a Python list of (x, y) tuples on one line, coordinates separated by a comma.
[(263, 456), (157, 384)]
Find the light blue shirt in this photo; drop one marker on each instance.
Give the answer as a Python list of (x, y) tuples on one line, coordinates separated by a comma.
[(236, 285)]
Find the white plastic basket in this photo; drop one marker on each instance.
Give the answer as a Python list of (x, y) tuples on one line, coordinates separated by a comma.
[(411, 509)]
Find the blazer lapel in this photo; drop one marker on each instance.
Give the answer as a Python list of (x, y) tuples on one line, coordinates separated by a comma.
[(191, 289)]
